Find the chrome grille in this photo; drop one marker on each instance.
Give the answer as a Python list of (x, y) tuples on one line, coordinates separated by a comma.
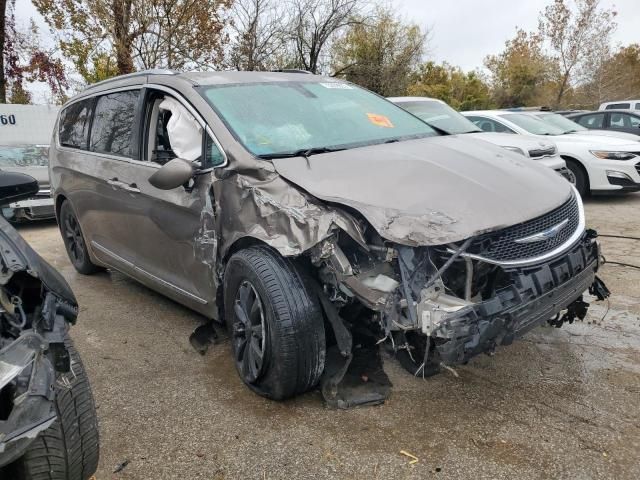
[(501, 246), (542, 152)]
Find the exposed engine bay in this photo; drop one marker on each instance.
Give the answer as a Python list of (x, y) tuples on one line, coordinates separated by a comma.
[(438, 306), (36, 308)]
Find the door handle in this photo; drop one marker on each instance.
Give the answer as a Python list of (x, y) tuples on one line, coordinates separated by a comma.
[(114, 182), (131, 187)]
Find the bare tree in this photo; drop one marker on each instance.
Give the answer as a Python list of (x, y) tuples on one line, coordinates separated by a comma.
[(576, 36), (258, 35), (313, 24)]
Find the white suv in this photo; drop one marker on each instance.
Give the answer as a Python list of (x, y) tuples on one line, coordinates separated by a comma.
[(600, 163), (438, 114), (621, 105)]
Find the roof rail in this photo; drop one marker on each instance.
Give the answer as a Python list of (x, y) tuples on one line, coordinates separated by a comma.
[(292, 70), (152, 71)]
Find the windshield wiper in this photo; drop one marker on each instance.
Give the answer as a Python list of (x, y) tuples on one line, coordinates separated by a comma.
[(303, 152)]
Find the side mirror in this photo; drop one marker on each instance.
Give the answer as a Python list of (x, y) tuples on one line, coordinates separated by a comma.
[(16, 186), (172, 174)]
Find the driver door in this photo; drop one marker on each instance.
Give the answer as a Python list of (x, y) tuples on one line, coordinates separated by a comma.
[(173, 230)]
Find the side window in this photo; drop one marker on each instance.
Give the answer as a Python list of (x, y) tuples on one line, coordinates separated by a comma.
[(488, 125), (619, 120), (113, 123), (616, 106), (172, 131), (591, 121), (73, 127), (634, 121), (213, 155)]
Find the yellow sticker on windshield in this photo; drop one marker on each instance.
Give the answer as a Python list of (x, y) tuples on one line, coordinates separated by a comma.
[(379, 120)]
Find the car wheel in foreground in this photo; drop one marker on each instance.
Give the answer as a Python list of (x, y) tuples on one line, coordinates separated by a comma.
[(581, 179), (69, 448), (275, 323), (74, 241)]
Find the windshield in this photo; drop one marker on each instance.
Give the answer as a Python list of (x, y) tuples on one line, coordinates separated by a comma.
[(557, 120), (440, 115), (281, 118), (532, 124), (24, 156)]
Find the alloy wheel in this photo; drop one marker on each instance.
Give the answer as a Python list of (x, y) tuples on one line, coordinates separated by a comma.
[(74, 240), (249, 332)]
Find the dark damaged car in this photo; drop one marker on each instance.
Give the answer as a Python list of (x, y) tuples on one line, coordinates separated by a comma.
[(314, 217), (48, 426)]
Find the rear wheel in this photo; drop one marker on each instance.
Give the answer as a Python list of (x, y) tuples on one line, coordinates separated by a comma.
[(582, 179), (275, 323), (69, 448), (74, 241)]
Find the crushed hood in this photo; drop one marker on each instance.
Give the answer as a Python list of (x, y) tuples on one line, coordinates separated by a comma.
[(431, 191)]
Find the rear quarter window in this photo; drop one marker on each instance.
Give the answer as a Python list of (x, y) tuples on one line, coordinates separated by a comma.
[(615, 106), (113, 123), (73, 127)]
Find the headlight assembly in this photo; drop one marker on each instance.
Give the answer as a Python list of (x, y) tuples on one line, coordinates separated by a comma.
[(606, 155)]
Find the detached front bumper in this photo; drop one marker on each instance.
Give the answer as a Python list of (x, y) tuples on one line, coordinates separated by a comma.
[(537, 293), (37, 208)]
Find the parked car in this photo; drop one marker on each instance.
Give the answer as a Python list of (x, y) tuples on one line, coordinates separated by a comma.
[(437, 113), (34, 161), (302, 210), (600, 163), (570, 126), (620, 105), (48, 426), (624, 121)]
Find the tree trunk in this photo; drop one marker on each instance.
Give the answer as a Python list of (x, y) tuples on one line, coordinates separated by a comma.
[(3, 82), (122, 37), (563, 87)]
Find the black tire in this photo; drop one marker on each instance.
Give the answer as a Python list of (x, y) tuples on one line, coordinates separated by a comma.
[(69, 448), (74, 240), (288, 358), (582, 179)]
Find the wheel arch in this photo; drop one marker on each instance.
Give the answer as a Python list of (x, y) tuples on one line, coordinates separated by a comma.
[(579, 164)]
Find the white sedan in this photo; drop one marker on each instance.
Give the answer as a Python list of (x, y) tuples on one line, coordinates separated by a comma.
[(438, 114), (600, 163)]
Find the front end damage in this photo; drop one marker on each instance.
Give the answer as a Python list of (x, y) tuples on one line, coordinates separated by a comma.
[(36, 306), (438, 306)]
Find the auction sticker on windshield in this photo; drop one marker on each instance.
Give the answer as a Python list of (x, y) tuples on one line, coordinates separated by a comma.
[(380, 120)]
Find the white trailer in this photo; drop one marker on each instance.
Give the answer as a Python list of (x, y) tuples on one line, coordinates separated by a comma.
[(25, 133)]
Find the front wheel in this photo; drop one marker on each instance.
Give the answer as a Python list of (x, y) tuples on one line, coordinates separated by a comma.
[(275, 323), (581, 178)]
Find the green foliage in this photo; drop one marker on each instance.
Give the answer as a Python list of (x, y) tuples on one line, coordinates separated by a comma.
[(379, 53), (463, 91)]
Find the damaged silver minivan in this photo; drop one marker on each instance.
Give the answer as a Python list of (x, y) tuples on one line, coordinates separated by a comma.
[(309, 214)]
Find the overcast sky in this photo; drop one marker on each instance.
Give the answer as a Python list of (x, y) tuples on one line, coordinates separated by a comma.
[(463, 32)]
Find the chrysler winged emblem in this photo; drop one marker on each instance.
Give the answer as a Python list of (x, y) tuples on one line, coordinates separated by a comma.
[(545, 234)]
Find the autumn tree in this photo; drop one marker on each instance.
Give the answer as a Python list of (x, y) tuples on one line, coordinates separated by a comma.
[(112, 37), (379, 52), (576, 36), (258, 35), (614, 77), (314, 23), (462, 90), (521, 74), (24, 60)]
